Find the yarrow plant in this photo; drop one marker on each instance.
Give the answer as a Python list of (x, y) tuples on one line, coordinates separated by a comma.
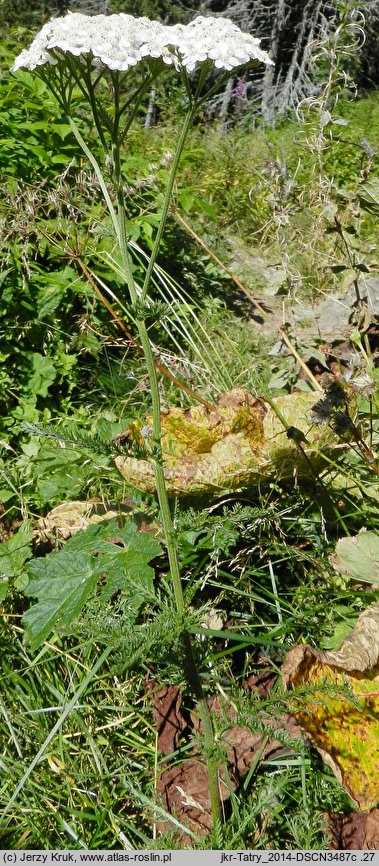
[(77, 51)]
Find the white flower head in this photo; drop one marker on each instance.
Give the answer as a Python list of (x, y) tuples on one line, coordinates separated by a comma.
[(219, 40), (119, 42)]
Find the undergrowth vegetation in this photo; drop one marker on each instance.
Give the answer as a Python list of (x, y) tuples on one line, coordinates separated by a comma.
[(81, 666)]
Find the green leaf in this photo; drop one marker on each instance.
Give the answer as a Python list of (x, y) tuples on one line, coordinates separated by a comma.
[(62, 583), (6, 494), (21, 582), (96, 539), (126, 567), (131, 573), (15, 552), (186, 199), (369, 195), (358, 556), (59, 159), (31, 82), (52, 288), (207, 208), (62, 484), (4, 584), (279, 379), (60, 473), (63, 130), (43, 376), (341, 631)]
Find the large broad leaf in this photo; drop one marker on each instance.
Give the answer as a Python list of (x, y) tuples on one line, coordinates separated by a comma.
[(13, 555), (240, 443), (344, 731), (358, 556), (64, 581)]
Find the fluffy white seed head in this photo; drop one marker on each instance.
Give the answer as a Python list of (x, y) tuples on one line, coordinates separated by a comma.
[(121, 41)]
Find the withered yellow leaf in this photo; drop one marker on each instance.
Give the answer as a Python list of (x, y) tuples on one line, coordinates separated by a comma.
[(345, 732), (240, 443)]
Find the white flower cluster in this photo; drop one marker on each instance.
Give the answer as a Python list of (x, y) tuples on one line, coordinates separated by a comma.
[(219, 40), (121, 41)]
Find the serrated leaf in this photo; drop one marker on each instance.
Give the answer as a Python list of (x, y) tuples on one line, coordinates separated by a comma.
[(358, 556), (60, 472), (126, 568), (21, 582), (95, 538), (62, 582)]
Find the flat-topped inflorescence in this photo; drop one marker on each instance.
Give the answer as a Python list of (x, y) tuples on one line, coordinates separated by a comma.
[(119, 42)]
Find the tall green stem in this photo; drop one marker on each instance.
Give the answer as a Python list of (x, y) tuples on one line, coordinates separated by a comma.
[(170, 535), (157, 458)]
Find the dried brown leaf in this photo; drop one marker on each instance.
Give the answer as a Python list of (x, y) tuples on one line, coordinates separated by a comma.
[(185, 794), (184, 787), (168, 719), (69, 517), (358, 831)]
